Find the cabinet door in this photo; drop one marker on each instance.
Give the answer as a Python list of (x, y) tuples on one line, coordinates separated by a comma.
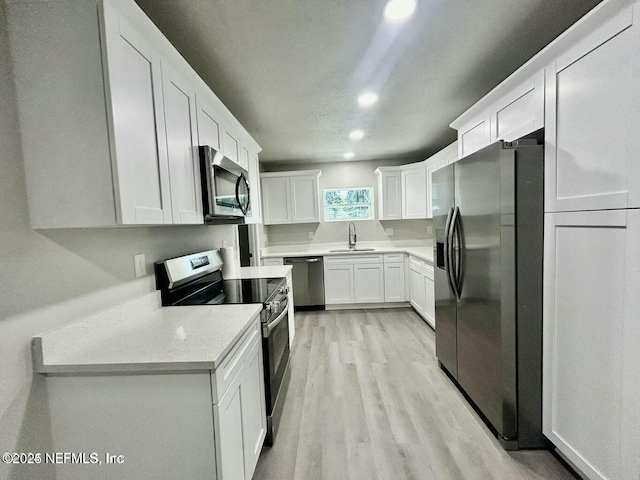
[(231, 143), (304, 199), (368, 283), (256, 195), (474, 135), (591, 332), (430, 168), (592, 118), (275, 200), (394, 282), (134, 87), (184, 173), (390, 196), (229, 432), (209, 129), (244, 157), (254, 416), (520, 111), (338, 284), (417, 289), (429, 300), (414, 193)]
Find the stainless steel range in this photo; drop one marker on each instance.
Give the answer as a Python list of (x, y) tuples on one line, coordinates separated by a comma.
[(197, 280)]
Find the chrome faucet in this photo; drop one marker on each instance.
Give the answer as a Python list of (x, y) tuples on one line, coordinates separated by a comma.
[(353, 238)]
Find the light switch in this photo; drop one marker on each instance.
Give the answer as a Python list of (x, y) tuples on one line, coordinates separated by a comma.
[(140, 265), (310, 235), (429, 229), (389, 232)]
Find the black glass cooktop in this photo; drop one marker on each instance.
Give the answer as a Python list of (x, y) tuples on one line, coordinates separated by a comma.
[(214, 290)]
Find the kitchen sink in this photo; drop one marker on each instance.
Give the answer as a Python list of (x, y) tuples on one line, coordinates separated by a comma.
[(347, 250)]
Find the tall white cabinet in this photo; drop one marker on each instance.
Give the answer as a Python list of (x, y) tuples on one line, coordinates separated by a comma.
[(592, 340)]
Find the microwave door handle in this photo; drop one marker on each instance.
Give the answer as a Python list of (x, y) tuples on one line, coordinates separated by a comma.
[(243, 208)]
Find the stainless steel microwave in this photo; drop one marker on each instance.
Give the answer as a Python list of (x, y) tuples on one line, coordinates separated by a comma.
[(226, 194)]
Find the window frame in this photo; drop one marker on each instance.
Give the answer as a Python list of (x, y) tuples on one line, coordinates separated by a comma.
[(370, 205)]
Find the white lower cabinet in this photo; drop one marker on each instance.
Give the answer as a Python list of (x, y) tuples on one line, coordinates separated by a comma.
[(394, 290), (421, 289), (591, 377), (272, 262), (338, 283), (364, 279), (254, 420), (368, 280), (200, 425), (229, 434), (417, 281)]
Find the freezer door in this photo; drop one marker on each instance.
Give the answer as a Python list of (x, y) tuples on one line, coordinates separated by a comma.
[(443, 203), (486, 362)]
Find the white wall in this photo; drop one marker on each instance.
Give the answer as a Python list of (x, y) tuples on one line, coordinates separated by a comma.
[(339, 175), (49, 278)]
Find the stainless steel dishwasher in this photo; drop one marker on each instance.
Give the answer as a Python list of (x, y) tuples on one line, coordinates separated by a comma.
[(308, 282)]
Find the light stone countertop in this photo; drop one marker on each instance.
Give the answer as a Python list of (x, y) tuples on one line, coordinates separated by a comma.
[(261, 272), (423, 250), (143, 337)]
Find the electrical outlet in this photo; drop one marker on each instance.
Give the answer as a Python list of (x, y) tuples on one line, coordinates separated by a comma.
[(310, 235), (429, 229), (140, 265), (389, 232)]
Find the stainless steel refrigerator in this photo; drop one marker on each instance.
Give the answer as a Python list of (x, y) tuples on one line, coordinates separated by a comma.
[(488, 216)]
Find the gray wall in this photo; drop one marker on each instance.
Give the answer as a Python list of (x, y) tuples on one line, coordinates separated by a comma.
[(338, 175), (49, 278)]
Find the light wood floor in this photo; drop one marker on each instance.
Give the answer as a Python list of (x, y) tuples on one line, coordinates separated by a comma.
[(367, 400)]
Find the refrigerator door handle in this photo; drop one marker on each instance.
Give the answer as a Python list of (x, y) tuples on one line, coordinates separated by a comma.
[(447, 249), (456, 231), (451, 267)]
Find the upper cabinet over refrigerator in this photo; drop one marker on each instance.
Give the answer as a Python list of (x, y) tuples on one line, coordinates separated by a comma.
[(593, 120)]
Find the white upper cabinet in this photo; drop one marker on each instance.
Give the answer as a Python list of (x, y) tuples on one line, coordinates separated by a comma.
[(389, 193), (117, 122), (291, 197), (244, 157), (414, 191), (474, 134), (593, 119), (305, 206), (520, 111), (231, 143), (184, 173), (276, 201), (209, 125), (255, 215), (134, 87)]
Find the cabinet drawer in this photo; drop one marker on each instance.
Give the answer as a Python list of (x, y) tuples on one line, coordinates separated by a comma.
[(428, 272), (354, 258), (223, 375), (417, 262), (272, 262), (393, 257)]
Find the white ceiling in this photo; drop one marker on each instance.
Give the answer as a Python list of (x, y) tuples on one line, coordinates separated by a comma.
[(291, 70)]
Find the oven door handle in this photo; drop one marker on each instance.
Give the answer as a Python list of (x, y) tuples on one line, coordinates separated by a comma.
[(268, 328)]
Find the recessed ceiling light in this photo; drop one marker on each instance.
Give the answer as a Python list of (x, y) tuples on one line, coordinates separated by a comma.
[(367, 99), (356, 135), (399, 10), (349, 155)]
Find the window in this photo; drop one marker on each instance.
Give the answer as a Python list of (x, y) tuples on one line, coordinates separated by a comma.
[(348, 204)]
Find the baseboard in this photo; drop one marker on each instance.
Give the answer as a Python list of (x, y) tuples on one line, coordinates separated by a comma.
[(361, 306)]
